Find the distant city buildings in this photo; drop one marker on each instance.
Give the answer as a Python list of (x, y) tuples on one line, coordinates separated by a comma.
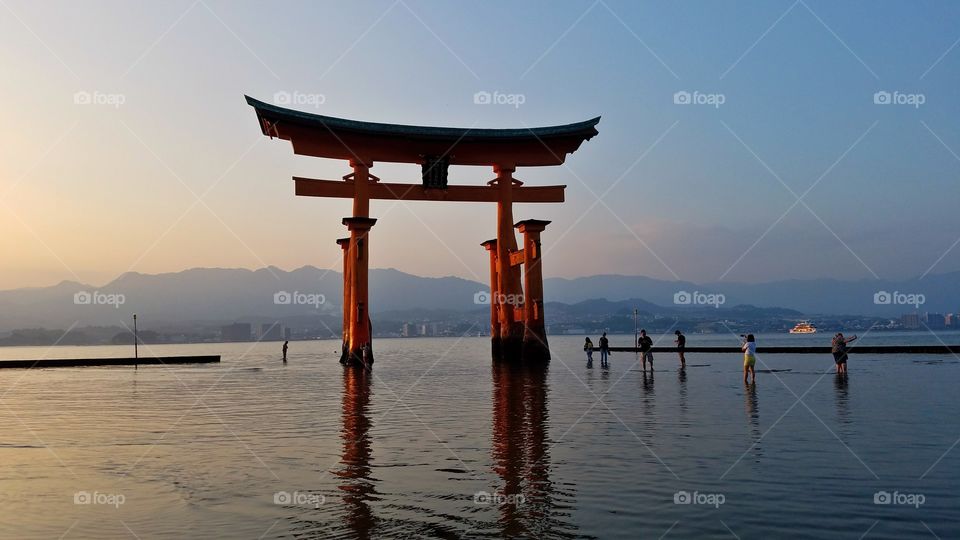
[(235, 332), (271, 331), (435, 328), (931, 321)]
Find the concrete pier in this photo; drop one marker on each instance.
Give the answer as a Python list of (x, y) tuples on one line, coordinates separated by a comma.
[(860, 349), (86, 362)]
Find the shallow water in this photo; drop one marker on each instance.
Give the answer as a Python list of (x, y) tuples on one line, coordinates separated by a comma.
[(430, 441)]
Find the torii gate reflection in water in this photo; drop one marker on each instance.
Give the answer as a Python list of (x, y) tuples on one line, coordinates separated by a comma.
[(516, 307)]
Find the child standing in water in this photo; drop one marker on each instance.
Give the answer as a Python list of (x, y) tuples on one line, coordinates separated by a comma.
[(588, 348), (749, 348)]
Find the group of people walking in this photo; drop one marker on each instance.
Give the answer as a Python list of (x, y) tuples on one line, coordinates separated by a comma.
[(644, 344), (748, 345)]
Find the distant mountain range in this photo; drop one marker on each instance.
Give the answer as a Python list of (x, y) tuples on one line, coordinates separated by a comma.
[(937, 293), (224, 295)]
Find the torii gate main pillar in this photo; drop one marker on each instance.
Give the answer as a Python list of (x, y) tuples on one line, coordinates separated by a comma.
[(509, 296), (358, 329)]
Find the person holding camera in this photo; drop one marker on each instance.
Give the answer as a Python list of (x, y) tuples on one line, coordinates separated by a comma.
[(839, 349)]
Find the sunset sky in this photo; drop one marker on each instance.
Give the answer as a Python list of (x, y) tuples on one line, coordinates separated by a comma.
[(167, 169)]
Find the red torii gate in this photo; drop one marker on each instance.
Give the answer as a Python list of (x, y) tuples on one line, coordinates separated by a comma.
[(516, 308)]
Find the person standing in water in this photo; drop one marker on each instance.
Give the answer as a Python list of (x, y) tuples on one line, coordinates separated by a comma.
[(286, 345), (681, 342), (604, 349), (367, 354), (588, 348), (839, 348), (645, 344), (749, 348)]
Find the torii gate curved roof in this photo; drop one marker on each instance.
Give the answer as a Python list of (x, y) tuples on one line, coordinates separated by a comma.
[(338, 138)]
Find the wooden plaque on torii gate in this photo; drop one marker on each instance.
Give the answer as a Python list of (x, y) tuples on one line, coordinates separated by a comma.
[(517, 330)]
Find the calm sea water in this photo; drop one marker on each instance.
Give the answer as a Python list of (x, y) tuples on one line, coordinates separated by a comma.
[(437, 442)]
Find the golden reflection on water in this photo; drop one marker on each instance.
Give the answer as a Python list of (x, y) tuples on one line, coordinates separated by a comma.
[(356, 487), (534, 505), (527, 504), (842, 385), (753, 418)]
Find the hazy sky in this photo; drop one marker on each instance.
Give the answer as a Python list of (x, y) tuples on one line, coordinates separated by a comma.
[(167, 168)]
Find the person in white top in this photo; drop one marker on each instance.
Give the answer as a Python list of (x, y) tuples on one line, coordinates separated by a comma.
[(749, 348)]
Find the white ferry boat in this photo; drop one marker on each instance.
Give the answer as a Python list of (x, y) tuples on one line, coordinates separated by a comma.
[(804, 327)]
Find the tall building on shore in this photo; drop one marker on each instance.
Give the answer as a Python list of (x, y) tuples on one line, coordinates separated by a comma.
[(936, 321), (910, 321), (235, 332), (271, 331)]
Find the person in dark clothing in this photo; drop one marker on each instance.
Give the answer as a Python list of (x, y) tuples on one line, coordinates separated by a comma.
[(286, 345), (681, 342), (604, 349), (645, 344)]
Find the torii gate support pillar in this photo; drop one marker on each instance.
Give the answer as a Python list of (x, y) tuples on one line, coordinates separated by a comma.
[(357, 309), (495, 344), (535, 347), (344, 244)]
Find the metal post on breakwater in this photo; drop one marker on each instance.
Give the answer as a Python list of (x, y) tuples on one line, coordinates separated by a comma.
[(136, 353)]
